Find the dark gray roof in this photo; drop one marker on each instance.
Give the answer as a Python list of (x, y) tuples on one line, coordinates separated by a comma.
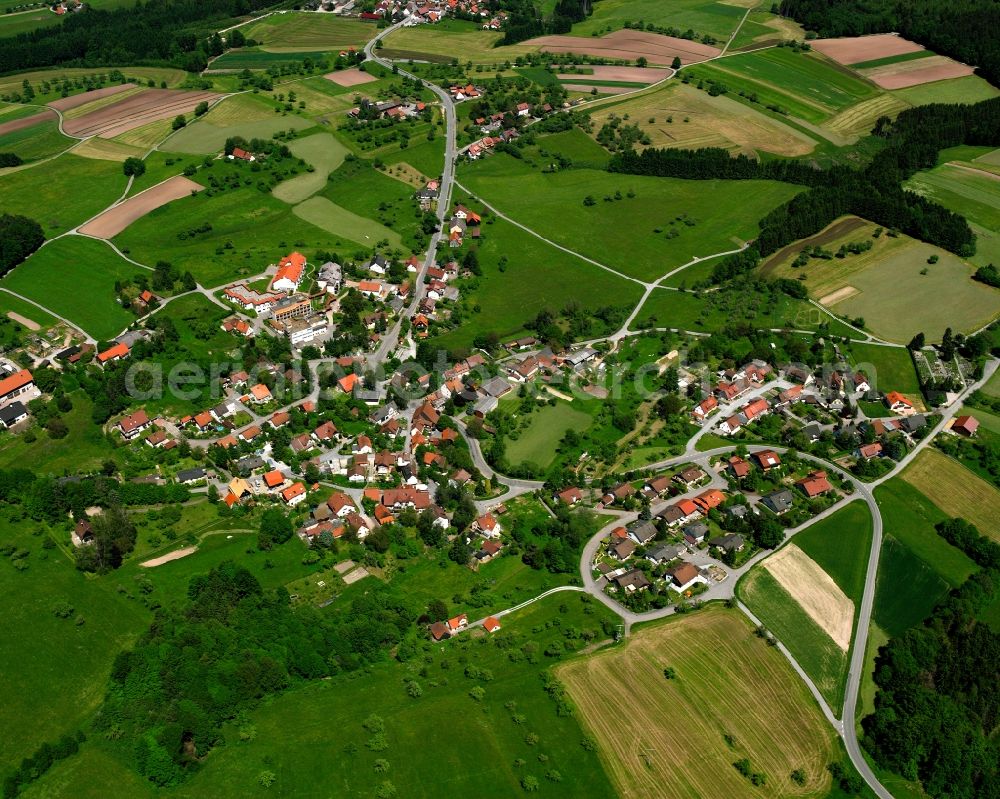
[(642, 531), (11, 413), (779, 501), (187, 475)]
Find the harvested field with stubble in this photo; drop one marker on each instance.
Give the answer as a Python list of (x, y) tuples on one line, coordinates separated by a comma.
[(857, 49), (115, 220), (858, 120), (623, 74), (135, 111), (350, 77), (956, 490), (106, 150), (668, 738), (629, 45), (712, 122), (815, 591), (76, 100), (26, 122)]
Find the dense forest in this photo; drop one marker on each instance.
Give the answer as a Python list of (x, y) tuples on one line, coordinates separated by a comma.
[(963, 29), (908, 144), (19, 238), (160, 31), (937, 708), (525, 21), (231, 645)]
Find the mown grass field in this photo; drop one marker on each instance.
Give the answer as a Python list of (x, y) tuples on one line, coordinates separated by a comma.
[(696, 119), (295, 31), (204, 138), (810, 645), (314, 756), (54, 668), (321, 151), (453, 38), (75, 277), (669, 737), (891, 368), (63, 192), (863, 285), (955, 490), (974, 193), (9, 303), (910, 517), (34, 143), (275, 229), (806, 85), (538, 443), (665, 223), (906, 590), (762, 27), (344, 225), (840, 544), (706, 312), (702, 16), (969, 89), (535, 276)]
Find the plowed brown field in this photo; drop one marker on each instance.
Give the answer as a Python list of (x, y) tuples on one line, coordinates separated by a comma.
[(135, 111)]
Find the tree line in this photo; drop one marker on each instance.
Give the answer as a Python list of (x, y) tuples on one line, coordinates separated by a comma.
[(19, 238), (937, 706), (909, 144), (172, 32), (963, 29)]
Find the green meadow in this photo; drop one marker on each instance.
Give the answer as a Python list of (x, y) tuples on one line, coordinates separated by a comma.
[(75, 277)]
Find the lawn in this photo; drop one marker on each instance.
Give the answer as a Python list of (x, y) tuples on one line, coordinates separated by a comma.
[(534, 276), (538, 443), (889, 368), (75, 277), (664, 223), (204, 138), (575, 145), (909, 517), (55, 668), (427, 157), (302, 31), (956, 490), (676, 115), (810, 645), (323, 753), (63, 192), (702, 16), (733, 697), (863, 285), (321, 151), (840, 544)]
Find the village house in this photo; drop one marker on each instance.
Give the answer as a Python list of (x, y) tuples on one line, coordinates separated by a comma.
[(632, 581), (767, 459), (897, 403), (642, 532), (113, 353), (131, 426), (869, 451), (570, 496), (815, 484), (779, 502), (12, 414), (690, 477), (488, 526), (685, 576), (291, 269), (738, 467)]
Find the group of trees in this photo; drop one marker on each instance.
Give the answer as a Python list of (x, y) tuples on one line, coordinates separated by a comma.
[(963, 29), (19, 238), (937, 707), (230, 645), (175, 32)]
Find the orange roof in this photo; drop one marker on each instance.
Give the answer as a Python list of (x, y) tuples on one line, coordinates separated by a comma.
[(203, 419), (231, 499), (227, 441), (458, 621), (15, 381), (687, 507), (894, 396), (119, 350), (274, 478), (260, 391), (619, 532), (290, 268), (293, 491), (491, 625), (710, 499), (373, 494), (348, 382)]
